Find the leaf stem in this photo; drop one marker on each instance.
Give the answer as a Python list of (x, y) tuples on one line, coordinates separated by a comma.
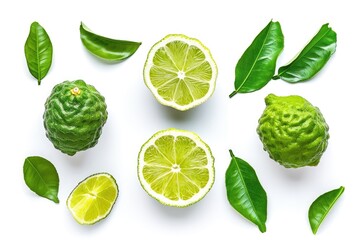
[(276, 77), (231, 153), (232, 94)]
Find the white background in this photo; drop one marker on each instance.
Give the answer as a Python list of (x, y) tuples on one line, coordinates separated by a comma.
[(227, 28)]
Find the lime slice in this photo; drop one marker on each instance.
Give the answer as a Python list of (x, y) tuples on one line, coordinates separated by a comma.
[(93, 198), (176, 167), (180, 72)]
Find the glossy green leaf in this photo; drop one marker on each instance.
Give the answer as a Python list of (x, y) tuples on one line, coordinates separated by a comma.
[(312, 58), (38, 51), (256, 66), (41, 177), (107, 49), (322, 206), (245, 193)]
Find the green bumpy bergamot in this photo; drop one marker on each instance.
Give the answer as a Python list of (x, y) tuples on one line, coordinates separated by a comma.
[(75, 113), (293, 131)]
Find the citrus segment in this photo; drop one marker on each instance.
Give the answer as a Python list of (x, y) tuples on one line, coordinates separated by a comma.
[(180, 72), (176, 167), (93, 198)]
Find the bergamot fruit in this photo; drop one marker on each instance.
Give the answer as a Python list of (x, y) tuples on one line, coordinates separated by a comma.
[(293, 131), (75, 113)]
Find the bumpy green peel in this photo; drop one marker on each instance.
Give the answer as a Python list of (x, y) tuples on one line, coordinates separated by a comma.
[(74, 116), (293, 131)]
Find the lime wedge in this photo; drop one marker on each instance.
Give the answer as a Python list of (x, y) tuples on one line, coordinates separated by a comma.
[(180, 72), (176, 167), (93, 198)]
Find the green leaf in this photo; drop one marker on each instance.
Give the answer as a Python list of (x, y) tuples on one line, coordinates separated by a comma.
[(108, 49), (245, 193), (38, 51), (41, 177), (322, 206), (256, 66), (312, 58)]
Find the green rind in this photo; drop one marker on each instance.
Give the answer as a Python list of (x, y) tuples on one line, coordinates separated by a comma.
[(293, 131), (154, 196), (87, 178), (74, 123)]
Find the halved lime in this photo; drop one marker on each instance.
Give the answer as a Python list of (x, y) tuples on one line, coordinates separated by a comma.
[(180, 72), (176, 167), (93, 198)]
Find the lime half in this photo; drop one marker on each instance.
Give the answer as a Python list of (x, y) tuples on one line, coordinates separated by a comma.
[(93, 198), (180, 72), (176, 167)]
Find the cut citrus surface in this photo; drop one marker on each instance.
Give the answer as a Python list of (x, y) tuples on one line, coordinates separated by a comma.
[(176, 167), (93, 198), (180, 72)]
